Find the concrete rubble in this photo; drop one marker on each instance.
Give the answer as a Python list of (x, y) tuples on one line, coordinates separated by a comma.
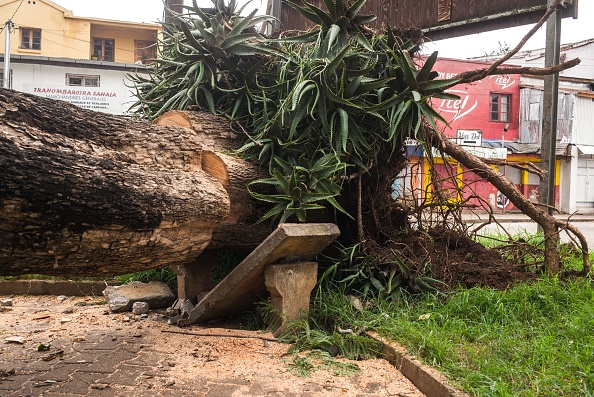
[(140, 308), (121, 298)]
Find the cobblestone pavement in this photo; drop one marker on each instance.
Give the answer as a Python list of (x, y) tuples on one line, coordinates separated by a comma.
[(96, 353)]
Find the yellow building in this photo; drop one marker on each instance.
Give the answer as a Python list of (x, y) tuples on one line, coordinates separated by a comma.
[(43, 28)]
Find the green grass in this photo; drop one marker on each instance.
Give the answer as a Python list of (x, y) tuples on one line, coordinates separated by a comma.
[(227, 260), (165, 275), (532, 340), (527, 248)]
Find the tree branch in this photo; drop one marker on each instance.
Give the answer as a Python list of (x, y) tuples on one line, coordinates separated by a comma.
[(479, 74), (528, 35), (521, 165)]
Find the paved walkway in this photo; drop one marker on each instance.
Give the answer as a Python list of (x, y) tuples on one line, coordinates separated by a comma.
[(97, 353)]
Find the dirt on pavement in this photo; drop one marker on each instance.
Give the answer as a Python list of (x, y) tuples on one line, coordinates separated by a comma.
[(75, 347)]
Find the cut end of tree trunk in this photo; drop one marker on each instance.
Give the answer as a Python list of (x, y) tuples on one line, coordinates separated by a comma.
[(174, 119), (214, 166)]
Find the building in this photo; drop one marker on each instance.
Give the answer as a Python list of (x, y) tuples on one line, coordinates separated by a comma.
[(500, 118), (583, 50), (575, 136), (575, 125), (78, 59), (485, 121)]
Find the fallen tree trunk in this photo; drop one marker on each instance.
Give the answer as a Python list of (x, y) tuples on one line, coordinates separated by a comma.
[(213, 132), (238, 230), (549, 223), (86, 193)]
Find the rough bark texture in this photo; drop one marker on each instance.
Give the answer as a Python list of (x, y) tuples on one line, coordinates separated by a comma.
[(86, 193), (213, 132), (548, 222)]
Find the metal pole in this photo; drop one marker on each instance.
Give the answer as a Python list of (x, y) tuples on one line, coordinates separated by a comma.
[(550, 104), (7, 28), (171, 8)]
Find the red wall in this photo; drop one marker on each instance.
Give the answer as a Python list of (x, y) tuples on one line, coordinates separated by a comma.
[(472, 111)]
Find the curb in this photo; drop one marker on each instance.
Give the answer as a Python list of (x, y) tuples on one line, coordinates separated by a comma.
[(49, 287), (428, 380)]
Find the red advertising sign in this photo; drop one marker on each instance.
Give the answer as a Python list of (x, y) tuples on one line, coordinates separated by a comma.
[(489, 105)]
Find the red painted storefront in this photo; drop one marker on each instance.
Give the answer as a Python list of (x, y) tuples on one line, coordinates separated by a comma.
[(474, 111)]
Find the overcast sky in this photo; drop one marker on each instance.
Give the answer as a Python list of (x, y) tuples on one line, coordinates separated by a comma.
[(469, 46)]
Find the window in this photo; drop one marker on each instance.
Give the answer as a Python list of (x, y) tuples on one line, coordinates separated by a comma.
[(9, 78), (82, 80), (144, 51), (31, 39), (103, 49), (500, 107)]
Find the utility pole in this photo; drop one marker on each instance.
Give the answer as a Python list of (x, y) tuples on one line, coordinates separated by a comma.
[(7, 29), (172, 7), (548, 160)]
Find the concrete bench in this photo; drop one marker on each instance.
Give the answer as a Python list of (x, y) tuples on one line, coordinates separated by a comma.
[(290, 279)]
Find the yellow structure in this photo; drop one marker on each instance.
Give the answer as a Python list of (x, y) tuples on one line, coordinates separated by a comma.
[(44, 28)]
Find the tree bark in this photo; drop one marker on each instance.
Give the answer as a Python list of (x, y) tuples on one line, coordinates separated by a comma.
[(548, 222), (87, 193), (214, 132)]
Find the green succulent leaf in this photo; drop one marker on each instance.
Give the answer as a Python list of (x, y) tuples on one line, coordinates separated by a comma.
[(313, 109)]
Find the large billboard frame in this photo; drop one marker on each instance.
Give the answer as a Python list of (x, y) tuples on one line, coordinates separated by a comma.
[(439, 19)]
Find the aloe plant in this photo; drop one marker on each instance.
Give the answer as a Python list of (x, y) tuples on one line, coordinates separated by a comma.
[(319, 107)]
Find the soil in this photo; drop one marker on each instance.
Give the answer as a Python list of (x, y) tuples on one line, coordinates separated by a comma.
[(455, 260), (155, 362)]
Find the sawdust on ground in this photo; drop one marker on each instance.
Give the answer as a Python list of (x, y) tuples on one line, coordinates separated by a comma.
[(44, 319)]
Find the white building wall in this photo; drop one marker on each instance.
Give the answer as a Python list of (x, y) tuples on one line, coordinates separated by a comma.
[(568, 182), (583, 121), (584, 70), (111, 96), (583, 175)]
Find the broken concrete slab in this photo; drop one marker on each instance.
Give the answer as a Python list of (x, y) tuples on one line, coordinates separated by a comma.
[(290, 287), (196, 278), (290, 242), (122, 297), (6, 302)]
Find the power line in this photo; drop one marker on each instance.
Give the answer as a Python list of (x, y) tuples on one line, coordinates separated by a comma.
[(81, 50), (44, 37), (17, 10)]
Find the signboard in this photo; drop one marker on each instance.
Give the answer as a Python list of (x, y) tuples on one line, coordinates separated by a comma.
[(105, 100), (487, 153), (442, 19), (473, 110), (497, 153), (469, 137)]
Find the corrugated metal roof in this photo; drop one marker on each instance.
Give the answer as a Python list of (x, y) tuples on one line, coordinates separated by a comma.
[(524, 148), (512, 148)]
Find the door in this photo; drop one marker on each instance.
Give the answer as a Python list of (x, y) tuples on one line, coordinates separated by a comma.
[(585, 183)]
